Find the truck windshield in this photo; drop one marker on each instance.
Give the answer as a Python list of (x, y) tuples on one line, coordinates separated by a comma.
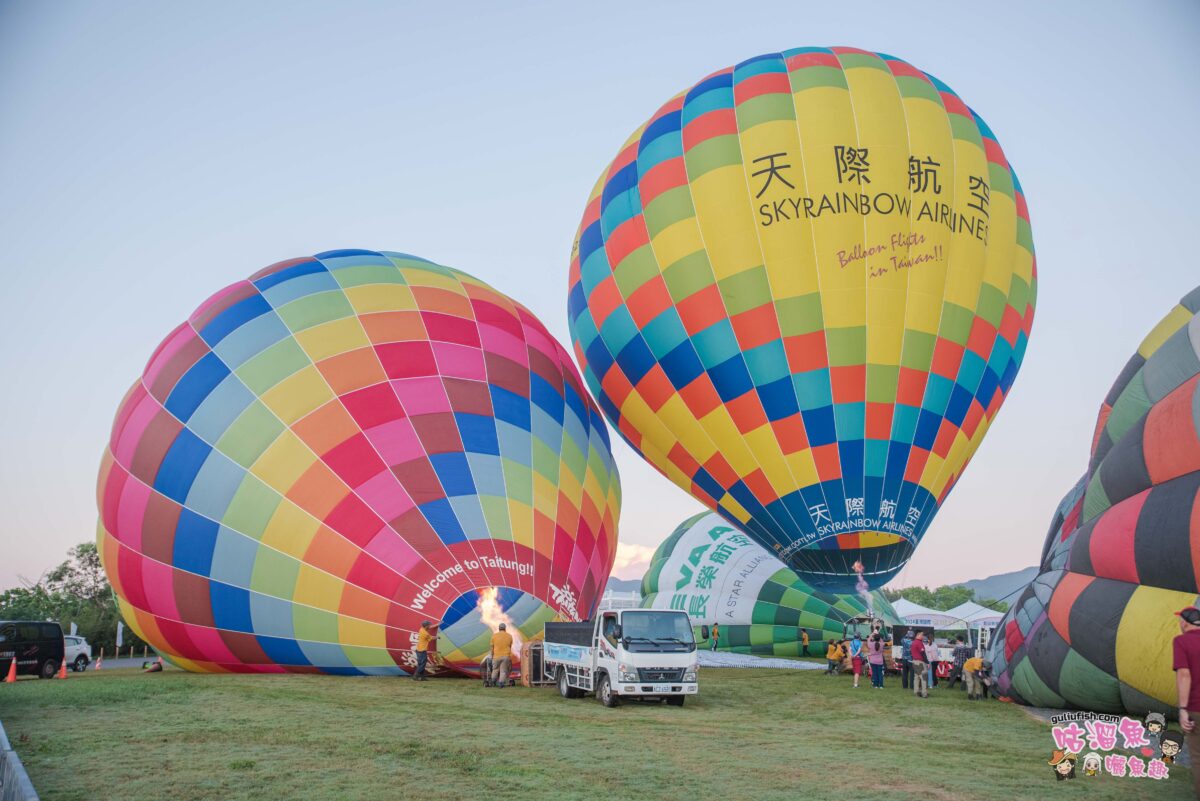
[(652, 630)]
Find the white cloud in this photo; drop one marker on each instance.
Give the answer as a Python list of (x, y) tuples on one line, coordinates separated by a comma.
[(632, 560)]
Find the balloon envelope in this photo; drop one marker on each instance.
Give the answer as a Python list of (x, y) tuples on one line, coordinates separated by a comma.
[(328, 453), (802, 291), (718, 575), (1094, 628)]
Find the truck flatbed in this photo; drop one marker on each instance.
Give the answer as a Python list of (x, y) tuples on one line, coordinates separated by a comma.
[(570, 633)]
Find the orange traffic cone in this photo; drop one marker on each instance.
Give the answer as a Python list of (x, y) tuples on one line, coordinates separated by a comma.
[(99, 662), (62, 670), (12, 672)]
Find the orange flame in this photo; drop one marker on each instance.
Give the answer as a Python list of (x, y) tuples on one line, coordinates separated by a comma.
[(493, 615)]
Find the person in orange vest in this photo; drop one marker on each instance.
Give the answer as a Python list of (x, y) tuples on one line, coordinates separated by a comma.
[(501, 657), (716, 635), (424, 638), (804, 640)]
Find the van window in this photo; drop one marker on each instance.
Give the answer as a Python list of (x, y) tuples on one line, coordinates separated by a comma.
[(27, 632), (8, 633), (51, 632)]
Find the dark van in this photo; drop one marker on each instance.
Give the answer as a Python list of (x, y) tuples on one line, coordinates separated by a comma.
[(37, 646)]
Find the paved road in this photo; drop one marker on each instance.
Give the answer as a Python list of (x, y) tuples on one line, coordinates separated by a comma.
[(110, 664)]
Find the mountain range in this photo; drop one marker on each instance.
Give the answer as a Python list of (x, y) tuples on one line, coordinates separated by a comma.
[(1001, 587), (624, 585)]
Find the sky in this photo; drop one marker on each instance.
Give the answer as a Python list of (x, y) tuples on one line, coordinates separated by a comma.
[(151, 153)]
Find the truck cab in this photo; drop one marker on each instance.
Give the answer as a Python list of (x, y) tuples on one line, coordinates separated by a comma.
[(624, 653)]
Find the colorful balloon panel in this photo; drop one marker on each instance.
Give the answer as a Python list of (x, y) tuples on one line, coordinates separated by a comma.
[(341, 446), (1094, 629), (802, 291), (717, 574)]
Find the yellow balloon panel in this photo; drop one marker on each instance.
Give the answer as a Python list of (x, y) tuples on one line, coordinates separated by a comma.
[(802, 290)]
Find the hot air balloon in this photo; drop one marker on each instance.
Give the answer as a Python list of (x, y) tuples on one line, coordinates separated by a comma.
[(1094, 629), (717, 574), (802, 291), (341, 446)]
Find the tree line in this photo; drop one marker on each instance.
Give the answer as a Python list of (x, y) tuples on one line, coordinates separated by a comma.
[(77, 591), (943, 598)]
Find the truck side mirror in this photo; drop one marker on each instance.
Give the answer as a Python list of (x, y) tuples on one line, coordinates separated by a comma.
[(617, 634), (704, 632)]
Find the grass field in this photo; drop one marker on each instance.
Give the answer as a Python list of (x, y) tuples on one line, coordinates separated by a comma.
[(751, 734)]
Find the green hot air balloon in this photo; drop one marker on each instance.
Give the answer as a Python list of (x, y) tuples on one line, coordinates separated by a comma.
[(717, 574)]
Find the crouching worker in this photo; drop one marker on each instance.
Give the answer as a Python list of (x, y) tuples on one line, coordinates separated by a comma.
[(833, 655), (972, 674), (501, 656)]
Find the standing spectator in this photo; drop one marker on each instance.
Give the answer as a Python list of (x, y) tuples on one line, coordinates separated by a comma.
[(962, 652), (424, 637), (1187, 680), (933, 654), (919, 666), (804, 640), (875, 660), (716, 635), (834, 655), (906, 659), (856, 657)]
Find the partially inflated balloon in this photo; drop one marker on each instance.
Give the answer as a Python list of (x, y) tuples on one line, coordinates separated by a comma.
[(328, 453), (802, 291), (1094, 629), (716, 574)]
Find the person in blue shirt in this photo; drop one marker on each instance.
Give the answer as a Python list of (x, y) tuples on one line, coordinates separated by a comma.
[(906, 659), (856, 656)]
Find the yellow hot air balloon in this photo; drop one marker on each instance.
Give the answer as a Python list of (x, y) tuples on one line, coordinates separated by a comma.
[(802, 291)]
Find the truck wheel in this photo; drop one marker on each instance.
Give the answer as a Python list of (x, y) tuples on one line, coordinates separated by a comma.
[(604, 692), (676, 700), (49, 668), (80, 664), (564, 687)]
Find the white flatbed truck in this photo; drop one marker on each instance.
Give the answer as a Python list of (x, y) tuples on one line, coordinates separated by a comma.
[(623, 654)]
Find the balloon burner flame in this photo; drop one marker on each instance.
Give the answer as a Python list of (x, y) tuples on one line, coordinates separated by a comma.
[(493, 614)]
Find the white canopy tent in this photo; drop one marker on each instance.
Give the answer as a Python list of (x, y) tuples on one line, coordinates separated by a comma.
[(977, 620), (976, 615), (916, 615)]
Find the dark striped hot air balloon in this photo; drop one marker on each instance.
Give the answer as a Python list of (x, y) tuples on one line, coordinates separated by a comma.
[(1094, 629)]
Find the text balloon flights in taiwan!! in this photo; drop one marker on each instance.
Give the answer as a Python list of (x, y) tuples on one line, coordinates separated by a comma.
[(802, 290), (340, 447)]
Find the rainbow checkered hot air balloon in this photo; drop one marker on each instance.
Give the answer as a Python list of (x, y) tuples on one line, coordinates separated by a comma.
[(341, 446), (802, 291)]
